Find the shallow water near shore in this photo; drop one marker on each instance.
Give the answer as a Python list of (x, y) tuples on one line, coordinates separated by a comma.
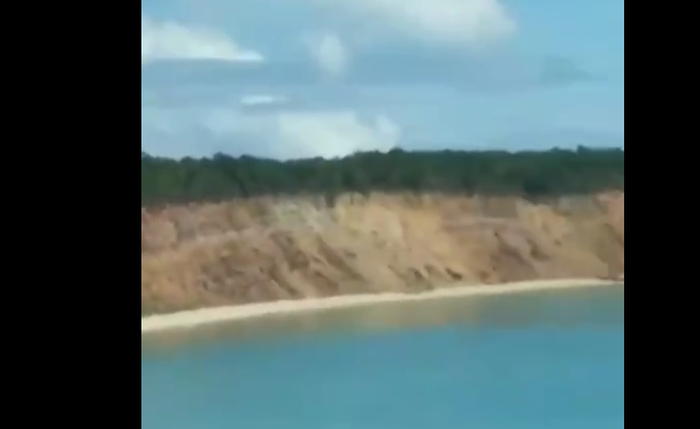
[(522, 360)]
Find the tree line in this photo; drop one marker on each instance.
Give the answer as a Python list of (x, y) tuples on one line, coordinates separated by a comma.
[(526, 173)]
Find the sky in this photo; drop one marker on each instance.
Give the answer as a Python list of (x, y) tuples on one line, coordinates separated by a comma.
[(304, 78)]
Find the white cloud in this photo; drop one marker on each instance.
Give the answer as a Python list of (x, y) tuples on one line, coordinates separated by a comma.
[(335, 134), (329, 53), (262, 100), (171, 40), (282, 134), (472, 23)]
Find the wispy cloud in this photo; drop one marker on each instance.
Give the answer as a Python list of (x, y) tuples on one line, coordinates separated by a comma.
[(171, 40), (467, 23), (329, 53), (262, 100)]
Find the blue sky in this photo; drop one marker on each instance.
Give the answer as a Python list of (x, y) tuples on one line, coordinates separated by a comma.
[(298, 78)]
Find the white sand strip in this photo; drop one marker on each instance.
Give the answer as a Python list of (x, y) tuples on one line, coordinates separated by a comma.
[(188, 319)]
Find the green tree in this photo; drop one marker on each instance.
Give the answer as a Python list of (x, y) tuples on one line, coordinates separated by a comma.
[(530, 174)]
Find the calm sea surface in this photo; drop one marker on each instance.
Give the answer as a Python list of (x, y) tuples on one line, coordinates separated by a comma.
[(542, 360)]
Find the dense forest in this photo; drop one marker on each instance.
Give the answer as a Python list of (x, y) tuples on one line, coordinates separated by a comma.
[(529, 174)]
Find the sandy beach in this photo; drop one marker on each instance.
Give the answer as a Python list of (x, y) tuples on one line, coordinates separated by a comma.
[(189, 319)]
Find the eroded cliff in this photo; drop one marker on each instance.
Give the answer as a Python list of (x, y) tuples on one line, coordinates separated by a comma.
[(286, 248)]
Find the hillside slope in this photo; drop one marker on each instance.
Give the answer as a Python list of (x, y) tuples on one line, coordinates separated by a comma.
[(263, 249)]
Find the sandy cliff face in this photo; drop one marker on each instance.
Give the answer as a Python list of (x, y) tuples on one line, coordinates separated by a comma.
[(280, 248)]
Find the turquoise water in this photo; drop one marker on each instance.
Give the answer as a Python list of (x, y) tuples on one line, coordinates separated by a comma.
[(535, 360)]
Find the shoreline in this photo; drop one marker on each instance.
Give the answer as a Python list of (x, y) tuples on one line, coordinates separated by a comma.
[(205, 316)]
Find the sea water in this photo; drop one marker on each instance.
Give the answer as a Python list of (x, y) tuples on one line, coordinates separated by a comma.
[(551, 359)]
